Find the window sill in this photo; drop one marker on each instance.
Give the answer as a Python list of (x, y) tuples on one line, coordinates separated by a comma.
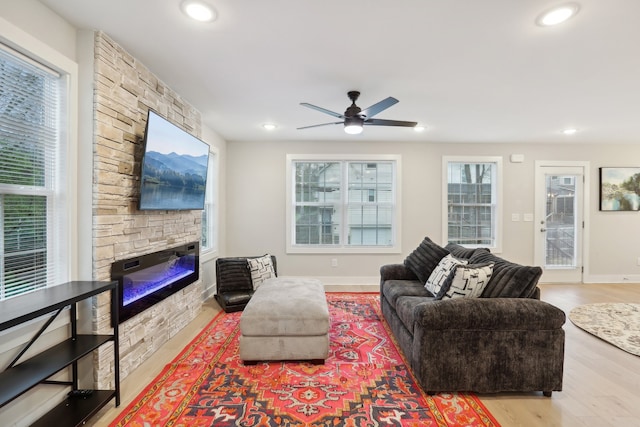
[(343, 250)]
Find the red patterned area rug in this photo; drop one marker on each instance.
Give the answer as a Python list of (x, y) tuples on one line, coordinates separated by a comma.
[(364, 382)]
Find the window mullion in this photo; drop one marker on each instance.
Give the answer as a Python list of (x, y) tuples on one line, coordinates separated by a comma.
[(344, 202)]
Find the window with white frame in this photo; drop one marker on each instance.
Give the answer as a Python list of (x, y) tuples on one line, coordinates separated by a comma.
[(210, 212), (32, 175), (472, 196), (339, 204)]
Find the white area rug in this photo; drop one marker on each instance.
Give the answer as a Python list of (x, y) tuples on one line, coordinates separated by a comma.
[(616, 323)]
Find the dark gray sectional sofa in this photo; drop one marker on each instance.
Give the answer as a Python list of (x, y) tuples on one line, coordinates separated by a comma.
[(504, 341)]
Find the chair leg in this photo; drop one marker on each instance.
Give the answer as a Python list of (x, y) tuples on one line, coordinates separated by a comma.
[(547, 393)]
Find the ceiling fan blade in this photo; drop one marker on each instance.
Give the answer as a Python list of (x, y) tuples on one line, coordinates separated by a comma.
[(383, 122), (380, 106), (323, 124), (322, 110)]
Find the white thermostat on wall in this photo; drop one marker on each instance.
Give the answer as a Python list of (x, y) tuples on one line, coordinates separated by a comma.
[(517, 158)]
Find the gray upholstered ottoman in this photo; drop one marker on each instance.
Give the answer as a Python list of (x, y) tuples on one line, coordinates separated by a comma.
[(286, 319)]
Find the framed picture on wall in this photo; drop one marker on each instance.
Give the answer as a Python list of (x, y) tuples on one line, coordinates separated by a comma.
[(620, 189)]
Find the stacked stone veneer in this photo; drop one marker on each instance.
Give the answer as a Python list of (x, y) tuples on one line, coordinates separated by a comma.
[(124, 91)]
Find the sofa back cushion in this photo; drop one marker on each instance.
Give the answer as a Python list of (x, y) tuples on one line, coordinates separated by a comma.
[(424, 259), (462, 252), (509, 280)]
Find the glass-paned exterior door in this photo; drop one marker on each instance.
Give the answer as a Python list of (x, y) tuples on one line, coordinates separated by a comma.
[(560, 221), (560, 216)]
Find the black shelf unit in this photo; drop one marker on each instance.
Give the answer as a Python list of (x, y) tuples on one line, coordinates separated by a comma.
[(20, 377)]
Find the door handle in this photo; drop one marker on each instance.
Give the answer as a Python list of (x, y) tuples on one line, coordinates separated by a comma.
[(542, 230)]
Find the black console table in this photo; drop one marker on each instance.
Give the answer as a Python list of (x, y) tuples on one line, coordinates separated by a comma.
[(21, 376)]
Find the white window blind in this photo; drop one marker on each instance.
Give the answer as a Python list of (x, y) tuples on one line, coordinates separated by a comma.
[(31, 167), (209, 214)]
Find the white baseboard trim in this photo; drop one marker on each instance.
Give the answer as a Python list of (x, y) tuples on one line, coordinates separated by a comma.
[(612, 278), (208, 293), (343, 280)]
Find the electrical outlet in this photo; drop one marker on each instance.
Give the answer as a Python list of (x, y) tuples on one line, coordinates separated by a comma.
[(334, 262)]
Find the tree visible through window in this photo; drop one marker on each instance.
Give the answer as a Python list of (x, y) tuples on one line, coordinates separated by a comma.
[(29, 137), (472, 202)]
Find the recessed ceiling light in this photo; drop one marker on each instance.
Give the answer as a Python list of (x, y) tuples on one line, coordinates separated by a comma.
[(570, 131), (558, 14), (198, 10), (418, 128), (269, 126)]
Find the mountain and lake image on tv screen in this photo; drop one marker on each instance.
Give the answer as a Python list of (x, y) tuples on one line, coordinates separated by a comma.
[(174, 167)]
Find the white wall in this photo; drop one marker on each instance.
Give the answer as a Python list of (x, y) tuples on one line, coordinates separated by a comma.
[(256, 204), (39, 21)]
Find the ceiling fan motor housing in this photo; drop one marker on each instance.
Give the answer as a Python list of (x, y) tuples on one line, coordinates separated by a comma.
[(353, 121), (353, 110)]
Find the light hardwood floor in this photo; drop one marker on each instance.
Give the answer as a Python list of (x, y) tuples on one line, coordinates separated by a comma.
[(601, 382)]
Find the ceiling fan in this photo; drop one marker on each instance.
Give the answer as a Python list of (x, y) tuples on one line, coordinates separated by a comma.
[(354, 117)]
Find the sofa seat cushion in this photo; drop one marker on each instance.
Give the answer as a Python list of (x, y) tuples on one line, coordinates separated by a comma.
[(394, 289), (424, 259), (509, 280), (405, 309)]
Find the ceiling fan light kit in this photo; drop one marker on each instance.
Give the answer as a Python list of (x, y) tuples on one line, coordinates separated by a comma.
[(353, 125), (354, 118)]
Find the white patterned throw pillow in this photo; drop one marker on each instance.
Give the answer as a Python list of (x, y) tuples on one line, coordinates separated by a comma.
[(469, 281), (261, 269), (441, 273)]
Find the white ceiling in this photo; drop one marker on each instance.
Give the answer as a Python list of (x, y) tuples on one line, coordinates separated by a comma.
[(469, 70)]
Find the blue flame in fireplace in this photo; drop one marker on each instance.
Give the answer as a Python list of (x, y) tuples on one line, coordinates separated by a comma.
[(145, 282)]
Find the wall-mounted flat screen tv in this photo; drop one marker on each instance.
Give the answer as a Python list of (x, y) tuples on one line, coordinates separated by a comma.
[(174, 167)]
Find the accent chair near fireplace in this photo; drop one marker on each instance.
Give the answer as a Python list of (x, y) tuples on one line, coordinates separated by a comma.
[(234, 286)]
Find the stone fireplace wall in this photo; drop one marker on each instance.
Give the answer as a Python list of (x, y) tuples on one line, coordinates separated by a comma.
[(124, 90)]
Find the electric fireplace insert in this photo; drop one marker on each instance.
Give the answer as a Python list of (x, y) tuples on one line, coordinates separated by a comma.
[(148, 279)]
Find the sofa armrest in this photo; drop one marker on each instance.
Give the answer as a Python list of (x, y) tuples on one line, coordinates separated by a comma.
[(396, 272), (488, 345), (488, 314)]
